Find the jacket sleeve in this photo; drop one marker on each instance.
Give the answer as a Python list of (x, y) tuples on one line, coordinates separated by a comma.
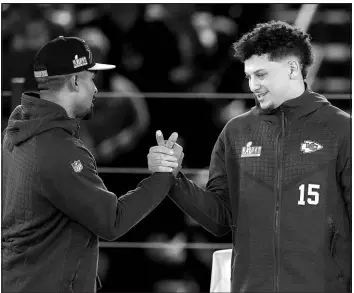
[(345, 175), (83, 197), (210, 207)]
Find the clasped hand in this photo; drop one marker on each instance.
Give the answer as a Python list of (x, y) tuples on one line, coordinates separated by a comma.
[(167, 156)]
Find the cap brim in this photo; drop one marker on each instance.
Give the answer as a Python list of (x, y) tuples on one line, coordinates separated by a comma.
[(100, 66)]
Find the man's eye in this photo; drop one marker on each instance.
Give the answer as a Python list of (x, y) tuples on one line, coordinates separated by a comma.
[(261, 75)]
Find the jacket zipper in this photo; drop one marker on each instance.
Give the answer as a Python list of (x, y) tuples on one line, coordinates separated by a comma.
[(278, 198)]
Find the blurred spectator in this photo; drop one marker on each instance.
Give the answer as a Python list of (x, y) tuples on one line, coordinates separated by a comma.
[(203, 42), (26, 28), (172, 253), (143, 51), (229, 111)]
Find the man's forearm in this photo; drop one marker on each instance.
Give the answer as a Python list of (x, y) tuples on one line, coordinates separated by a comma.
[(136, 204), (209, 209)]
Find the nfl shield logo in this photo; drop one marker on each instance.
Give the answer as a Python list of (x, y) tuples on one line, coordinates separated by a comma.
[(77, 166)]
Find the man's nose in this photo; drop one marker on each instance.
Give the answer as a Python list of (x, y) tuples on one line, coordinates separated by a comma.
[(254, 84), (96, 90)]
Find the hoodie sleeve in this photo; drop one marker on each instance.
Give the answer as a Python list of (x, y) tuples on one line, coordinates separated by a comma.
[(210, 207), (70, 181)]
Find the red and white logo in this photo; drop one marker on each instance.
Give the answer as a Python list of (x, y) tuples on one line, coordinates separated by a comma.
[(309, 146)]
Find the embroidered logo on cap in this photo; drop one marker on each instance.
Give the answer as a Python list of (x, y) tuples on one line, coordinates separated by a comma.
[(251, 151), (78, 62), (77, 166)]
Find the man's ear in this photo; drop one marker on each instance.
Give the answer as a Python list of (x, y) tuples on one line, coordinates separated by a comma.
[(74, 81), (294, 69)]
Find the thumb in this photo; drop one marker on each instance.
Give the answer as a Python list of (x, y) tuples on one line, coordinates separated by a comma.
[(172, 140), (159, 138)]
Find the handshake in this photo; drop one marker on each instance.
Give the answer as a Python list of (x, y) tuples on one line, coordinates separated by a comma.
[(167, 156)]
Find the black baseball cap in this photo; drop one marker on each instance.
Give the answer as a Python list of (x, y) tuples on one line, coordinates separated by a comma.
[(65, 55)]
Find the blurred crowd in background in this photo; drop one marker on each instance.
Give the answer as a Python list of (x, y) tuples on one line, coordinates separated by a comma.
[(165, 48)]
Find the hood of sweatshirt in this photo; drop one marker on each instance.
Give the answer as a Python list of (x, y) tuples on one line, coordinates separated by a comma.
[(35, 116)]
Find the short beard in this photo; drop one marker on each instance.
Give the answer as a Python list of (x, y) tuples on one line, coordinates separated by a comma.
[(84, 115), (266, 110), (269, 107)]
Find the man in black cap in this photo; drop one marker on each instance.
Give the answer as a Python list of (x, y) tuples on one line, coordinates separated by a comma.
[(54, 204)]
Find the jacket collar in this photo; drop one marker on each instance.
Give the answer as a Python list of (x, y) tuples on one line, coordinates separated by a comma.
[(39, 107)]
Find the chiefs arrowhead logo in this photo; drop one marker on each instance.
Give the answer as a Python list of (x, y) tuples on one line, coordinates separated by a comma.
[(309, 146)]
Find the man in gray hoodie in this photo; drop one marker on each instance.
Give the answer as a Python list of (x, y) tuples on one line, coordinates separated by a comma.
[(54, 204)]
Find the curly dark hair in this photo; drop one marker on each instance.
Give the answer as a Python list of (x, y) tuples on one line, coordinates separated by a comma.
[(278, 39)]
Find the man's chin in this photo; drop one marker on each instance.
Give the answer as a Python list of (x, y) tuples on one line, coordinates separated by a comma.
[(89, 114), (266, 106)]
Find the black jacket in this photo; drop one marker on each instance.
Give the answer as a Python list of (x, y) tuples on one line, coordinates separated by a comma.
[(281, 181), (54, 204)]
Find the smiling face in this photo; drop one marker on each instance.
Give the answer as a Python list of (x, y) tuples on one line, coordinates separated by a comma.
[(269, 80)]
